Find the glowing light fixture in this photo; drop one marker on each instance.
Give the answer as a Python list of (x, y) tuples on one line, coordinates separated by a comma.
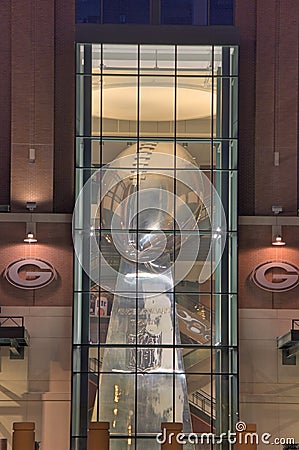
[(30, 239), (278, 241), (277, 229), (30, 233)]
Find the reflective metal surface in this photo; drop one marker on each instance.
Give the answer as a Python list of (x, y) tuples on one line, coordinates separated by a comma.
[(147, 322), (159, 372), (168, 212)]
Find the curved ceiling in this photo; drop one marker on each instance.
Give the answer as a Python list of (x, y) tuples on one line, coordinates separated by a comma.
[(156, 103)]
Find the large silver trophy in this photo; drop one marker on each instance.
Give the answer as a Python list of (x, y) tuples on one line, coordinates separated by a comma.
[(150, 200)]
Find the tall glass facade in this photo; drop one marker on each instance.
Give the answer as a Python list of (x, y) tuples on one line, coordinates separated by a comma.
[(155, 230)]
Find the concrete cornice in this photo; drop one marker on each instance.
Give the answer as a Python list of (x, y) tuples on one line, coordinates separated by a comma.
[(35, 217), (269, 220)]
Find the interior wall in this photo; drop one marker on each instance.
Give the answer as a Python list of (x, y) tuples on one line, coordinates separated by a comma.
[(37, 388), (269, 390)]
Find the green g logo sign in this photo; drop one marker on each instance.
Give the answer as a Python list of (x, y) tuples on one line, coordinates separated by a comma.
[(30, 273)]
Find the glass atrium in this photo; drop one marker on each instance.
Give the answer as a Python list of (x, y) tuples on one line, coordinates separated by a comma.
[(155, 232)]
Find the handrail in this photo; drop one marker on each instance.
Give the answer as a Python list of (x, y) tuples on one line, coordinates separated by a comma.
[(204, 402)]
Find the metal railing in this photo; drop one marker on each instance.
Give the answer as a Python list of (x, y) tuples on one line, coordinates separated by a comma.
[(14, 321), (204, 402), (295, 324)]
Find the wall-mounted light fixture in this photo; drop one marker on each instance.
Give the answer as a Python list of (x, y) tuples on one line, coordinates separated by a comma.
[(30, 226), (30, 233), (277, 239)]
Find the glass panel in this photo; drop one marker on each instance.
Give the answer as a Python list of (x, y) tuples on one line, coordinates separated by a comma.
[(80, 58), (126, 11), (120, 59), (119, 105), (221, 181), (224, 307), (225, 154), (80, 119), (234, 108), (225, 61), (154, 401), (201, 401), (194, 318), (147, 155), (193, 263), (194, 107), (197, 360), (200, 152), (225, 108), (233, 222), (194, 60), (88, 11), (178, 12), (233, 319), (194, 198), (224, 360), (82, 306), (156, 113), (200, 12), (224, 388), (232, 242), (116, 399), (156, 325), (221, 12), (113, 149), (234, 64), (96, 93), (157, 59), (100, 311), (96, 58)]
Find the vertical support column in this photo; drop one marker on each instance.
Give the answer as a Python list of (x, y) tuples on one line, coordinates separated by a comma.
[(245, 19), (171, 430), (222, 312), (23, 436), (98, 436), (86, 247), (64, 106), (155, 12), (200, 12)]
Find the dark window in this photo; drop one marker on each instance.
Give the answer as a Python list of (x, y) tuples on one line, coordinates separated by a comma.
[(126, 11), (88, 11), (221, 12), (176, 12), (179, 12)]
